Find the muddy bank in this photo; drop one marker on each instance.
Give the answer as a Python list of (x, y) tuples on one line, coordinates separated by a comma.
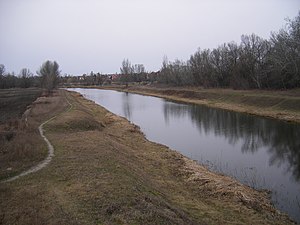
[(105, 171), (282, 105)]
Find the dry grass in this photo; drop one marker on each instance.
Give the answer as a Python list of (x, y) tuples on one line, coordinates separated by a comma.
[(109, 173), (13, 102), (21, 145)]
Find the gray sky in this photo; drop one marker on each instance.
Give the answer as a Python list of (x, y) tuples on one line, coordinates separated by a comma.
[(96, 35)]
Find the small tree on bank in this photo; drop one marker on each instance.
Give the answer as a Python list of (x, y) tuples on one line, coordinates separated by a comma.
[(126, 71), (49, 73), (25, 75)]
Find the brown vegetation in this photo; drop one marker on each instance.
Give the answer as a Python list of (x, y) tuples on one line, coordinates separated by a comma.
[(13, 102), (106, 172), (21, 146)]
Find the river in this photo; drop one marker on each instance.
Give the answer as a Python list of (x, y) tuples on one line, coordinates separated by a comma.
[(260, 152)]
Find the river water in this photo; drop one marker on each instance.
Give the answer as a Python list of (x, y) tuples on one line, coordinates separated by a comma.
[(260, 152)]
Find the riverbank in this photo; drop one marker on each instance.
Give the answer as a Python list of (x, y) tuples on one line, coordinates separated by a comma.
[(282, 105), (105, 171)]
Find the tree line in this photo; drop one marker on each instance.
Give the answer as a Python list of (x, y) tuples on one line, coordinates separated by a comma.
[(92, 79), (254, 63), (132, 73), (47, 77)]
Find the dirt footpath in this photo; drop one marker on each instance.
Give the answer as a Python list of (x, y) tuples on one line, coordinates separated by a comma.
[(106, 172)]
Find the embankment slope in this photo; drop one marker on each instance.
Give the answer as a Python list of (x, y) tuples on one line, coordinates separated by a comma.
[(106, 172)]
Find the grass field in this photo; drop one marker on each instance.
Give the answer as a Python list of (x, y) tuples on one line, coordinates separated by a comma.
[(106, 172), (21, 146), (13, 102)]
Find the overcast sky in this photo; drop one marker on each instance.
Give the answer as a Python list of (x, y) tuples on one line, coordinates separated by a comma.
[(96, 35)]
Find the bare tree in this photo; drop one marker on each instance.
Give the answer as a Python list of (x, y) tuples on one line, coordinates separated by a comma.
[(49, 72), (254, 63), (2, 70), (126, 71), (253, 56), (202, 68), (25, 75), (165, 72), (126, 67), (138, 73), (221, 65), (139, 68), (284, 59)]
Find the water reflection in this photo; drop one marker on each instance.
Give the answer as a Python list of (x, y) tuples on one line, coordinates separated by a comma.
[(127, 106), (281, 139), (259, 152)]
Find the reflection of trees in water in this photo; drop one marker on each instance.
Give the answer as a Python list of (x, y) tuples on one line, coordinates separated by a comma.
[(285, 146), (127, 106), (281, 138), (178, 111)]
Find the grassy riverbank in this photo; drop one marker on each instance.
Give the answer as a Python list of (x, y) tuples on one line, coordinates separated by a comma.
[(283, 105), (106, 172)]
